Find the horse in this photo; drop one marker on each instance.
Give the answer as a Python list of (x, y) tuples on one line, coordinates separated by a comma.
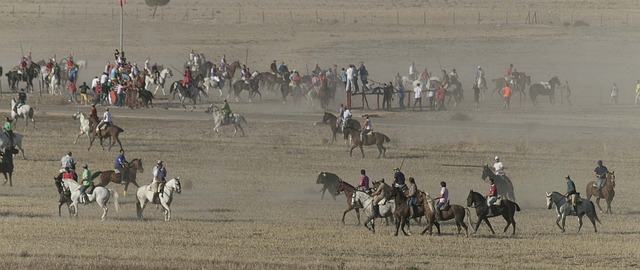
[(111, 131), (129, 177), (332, 121), (251, 86), (401, 211), (211, 83), (375, 138), (564, 209), (192, 93), (146, 96), (54, 81), (503, 183), (456, 212), (454, 90), (14, 77), (330, 182), (85, 125), (323, 93), (64, 195), (544, 89), (101, 195), (160, 81), (166, 197), (6, 165), (17, 142), (507, 209), (363, 200), (25, 111), (235, 118), (231, 69), (608, 190), (269, 80), (348, 193)]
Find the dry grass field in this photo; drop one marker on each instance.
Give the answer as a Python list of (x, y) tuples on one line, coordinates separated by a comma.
[(252, 202)]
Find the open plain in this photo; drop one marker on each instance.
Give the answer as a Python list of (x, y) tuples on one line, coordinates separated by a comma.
[(252, 202)]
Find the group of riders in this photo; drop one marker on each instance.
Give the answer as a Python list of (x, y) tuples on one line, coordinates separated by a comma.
[(382, 193), (120, 167)]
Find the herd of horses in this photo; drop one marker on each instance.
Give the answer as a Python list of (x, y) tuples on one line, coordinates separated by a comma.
[(396, 205)]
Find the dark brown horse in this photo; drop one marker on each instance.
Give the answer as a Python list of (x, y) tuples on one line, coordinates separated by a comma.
[(331, 120), (252, 87), (507, 210), (608, 191), (348, 192), (268, 80), (455, 211), (375, 138), (129, 177), (231, 69), (112, 132), (6, 165), (64, 195), (139, 81), (503, 183), (401, 213)]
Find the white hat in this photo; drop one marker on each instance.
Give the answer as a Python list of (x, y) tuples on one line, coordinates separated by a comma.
[(497, 157)]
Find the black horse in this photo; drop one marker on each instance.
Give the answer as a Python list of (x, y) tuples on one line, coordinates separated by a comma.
[(64, 195), (253, 86), (13, 77), (191, 93), (503, 183), (507, 209), (6, 166), (147, 97), (539, 89)]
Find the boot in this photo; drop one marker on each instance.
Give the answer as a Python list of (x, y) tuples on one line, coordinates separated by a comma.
[(86, 199), (411, 211), (156, 198), (600, 193), (376, 210)]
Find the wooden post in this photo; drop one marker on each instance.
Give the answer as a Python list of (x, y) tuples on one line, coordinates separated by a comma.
[(349, 99), (506, 20), (378, 101), (263, 17), (344, 20), (291, 16), (454, 18), (424, 18), (317, 20), (397, 17), (39, 11)]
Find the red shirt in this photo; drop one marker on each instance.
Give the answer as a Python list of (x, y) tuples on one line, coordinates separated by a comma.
[(441, 93), (67, 175), (364, 182), (493, 191)]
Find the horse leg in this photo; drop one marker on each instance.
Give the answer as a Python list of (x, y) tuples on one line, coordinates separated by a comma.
[(357, 216), (608, 200), (361, 150), (564, 218), (486, 220), (345, 213), (558, 221), (77, 137), (167, 213), (580, 222), (598, 203)]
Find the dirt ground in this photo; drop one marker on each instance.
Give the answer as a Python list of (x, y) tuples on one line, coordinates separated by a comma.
[(252, 202)]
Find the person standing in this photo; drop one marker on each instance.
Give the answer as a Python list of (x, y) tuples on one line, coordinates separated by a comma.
[(387, 90), (350, 79), (440, 96), (83, 93), (417, 94), (343, 77), (364, 75), (159, 175), (614, 95), (363, 185), (568, 89), (506, 95), (476, 95), (119, 94), (637, 92), (413, 72), (400, 93)]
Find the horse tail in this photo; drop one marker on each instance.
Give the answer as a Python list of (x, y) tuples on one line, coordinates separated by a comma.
[(386, 139), (517, 206), (138, 209), (95, 175), (468, 213), (114, 193), (120, 129), (242, 120)]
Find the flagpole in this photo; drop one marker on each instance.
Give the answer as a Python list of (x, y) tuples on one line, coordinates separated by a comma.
[(121, 24)]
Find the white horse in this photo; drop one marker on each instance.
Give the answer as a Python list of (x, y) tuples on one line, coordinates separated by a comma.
[(145, 195), (366, 202), (82, 64), (85, 126), (25, 111), (162, 79), (17, 142), (100, 195), (235, 118), (44, 78), (563, 209), (54, 82), (210, 83)]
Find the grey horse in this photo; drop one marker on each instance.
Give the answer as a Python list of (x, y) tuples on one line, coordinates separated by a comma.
[(563, 210), (218, 116)]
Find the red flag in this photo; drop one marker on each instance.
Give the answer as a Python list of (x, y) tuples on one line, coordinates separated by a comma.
[(122, 2)]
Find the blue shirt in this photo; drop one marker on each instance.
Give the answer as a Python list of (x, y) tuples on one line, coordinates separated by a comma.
[(571, 186), (119, 160), (399, 177)]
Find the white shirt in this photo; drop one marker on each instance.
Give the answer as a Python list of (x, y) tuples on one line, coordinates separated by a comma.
[(66, 161), (94, 83), (159, 173), (346, 114), (498, 167), (106, 117), (350, 73), (614, 91), (417, 91), (104, 78)]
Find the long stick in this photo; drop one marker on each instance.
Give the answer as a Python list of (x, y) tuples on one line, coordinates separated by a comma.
[(462, 165), (246, 57), (179, 71), (401, 164), (21, 50)]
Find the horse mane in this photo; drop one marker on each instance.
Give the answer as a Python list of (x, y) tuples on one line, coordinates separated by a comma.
[(347, 184)]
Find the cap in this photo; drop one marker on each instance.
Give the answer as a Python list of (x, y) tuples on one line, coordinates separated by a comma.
[(159, 161), (85, 166), (599, 162), (567, 177), (497, 158), (69, 153)]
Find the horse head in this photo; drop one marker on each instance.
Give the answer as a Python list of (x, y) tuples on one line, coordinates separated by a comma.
[(76, 115), (177, 185), (549, 201), (137, 165), (554, 82), (471, 199), (486, 172)]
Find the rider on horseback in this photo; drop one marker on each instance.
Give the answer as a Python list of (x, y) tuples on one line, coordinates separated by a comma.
[(86, 183), (601, 176), (187, 77), (412, 193), (226, 109), (572, 195), (7, 130), (493, 193), (346, 117), (340, 116), (498, 167), (159, 174), (364, 182), (442, 199), (106, 120), (22, 99), (223, 63), (398, 178), (381, 193), (121, 165), (274, 67), (155, 72), (367, 127)]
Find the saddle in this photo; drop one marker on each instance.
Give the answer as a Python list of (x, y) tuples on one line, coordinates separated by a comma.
[(546, 85), (498, 202), (445, 206)]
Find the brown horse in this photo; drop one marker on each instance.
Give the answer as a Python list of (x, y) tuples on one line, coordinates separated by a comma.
[(455, 211), (608, 191), (6, 165), (323, 93), (375, 138), (268, 80), (231, 69), (401, 213), (139, 81), (348, 192), (106, 177), (331, 120), (112, 132)]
